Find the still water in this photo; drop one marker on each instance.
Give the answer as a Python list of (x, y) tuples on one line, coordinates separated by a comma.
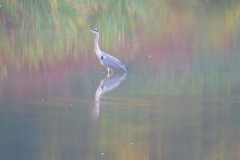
[(179, 101)]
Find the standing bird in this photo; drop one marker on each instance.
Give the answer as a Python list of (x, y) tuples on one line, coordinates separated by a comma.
[(105, 59)]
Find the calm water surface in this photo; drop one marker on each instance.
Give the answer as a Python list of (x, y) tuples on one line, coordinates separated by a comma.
[(179, 101)]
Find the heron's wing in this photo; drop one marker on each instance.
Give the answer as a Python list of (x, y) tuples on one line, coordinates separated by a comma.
[(113, 81), (112, 62), (109, 84)]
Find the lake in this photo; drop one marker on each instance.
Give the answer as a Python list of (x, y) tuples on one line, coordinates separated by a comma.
[(180, 99)]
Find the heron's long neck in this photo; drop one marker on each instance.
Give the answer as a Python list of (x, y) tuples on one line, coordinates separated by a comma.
[(98, 51)]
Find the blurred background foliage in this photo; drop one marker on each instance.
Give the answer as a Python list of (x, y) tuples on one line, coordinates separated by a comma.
[(41, 34)]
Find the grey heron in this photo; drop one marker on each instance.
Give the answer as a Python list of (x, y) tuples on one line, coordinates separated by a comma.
[(105, 59)]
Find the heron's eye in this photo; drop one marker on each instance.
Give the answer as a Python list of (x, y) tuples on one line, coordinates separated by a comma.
[(101, 57)]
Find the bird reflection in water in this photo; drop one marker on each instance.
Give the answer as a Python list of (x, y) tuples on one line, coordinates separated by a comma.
[(106, 85)]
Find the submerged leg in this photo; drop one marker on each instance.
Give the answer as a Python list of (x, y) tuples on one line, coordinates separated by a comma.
[(108, 72), (112, 72)]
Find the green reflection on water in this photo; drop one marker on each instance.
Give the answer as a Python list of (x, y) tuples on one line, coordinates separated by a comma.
[(38, 33)]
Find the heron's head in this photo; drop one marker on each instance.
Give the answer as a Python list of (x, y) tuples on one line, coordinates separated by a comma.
[(95, 31)]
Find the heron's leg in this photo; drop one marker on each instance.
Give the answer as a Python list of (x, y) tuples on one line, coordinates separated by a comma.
[(108, 72), (112, 72)]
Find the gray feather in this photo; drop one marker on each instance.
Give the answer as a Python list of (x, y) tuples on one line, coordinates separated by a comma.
[(112, 62)]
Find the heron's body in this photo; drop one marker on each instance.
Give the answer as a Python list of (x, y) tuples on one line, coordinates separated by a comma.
[(105, 59), (112, 62)]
